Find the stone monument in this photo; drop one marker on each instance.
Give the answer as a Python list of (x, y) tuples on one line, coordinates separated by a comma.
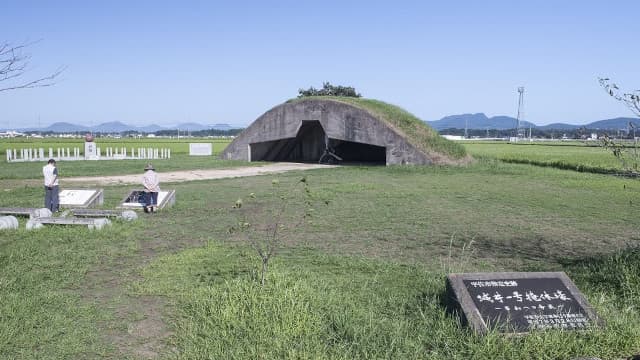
[(90, 149), (520, 302), (200, 149), (87, 198)]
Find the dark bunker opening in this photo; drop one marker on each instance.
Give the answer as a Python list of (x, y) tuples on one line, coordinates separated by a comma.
[(311, 144)]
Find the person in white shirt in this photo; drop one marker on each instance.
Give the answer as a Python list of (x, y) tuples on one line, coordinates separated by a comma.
[(151, 188), (51, 188)]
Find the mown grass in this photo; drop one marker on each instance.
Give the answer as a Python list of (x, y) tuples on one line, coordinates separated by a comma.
[(569, 156), (180, 159), (42, 274), (30, 170), (364, 280)]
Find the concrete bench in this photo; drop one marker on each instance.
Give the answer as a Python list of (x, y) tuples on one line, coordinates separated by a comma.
[(93, 213), (91, 223), (17, 211), (30, 212)]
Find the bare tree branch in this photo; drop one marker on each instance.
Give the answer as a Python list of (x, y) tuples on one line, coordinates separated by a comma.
[(631, 99), (14, 63)]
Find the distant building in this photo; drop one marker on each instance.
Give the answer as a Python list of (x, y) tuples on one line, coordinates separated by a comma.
[(453, 137)]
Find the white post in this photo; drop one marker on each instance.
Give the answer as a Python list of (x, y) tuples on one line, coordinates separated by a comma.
[(50, 153), (58, 149), (15, 154), (169, 152), (41, 154)]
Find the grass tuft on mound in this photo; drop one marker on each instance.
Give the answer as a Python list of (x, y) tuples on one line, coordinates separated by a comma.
[(416, 131)]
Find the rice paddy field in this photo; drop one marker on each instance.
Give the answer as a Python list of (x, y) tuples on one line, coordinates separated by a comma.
[(362, 278), (572, 155)]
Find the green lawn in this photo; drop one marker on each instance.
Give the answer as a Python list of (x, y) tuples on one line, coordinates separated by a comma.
[(364, 280), (180, 159)]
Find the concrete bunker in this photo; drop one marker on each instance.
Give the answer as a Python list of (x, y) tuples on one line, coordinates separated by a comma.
[(312, 144), (340, 130)]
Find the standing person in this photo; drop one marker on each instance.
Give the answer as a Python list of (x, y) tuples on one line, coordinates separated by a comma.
[(51, 188), (151, 188)]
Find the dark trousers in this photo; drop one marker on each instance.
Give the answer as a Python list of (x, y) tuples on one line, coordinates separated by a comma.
[(151, 199), (51, 198)]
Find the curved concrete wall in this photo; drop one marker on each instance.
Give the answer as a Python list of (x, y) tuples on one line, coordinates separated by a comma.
[(340, 121)]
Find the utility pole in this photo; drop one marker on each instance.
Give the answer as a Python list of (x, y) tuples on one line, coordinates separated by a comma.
[(466, 125), (520, 117)]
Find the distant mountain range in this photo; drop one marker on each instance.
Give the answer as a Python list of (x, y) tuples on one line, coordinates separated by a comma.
[(118, 127), (477, 121), (481, 122)]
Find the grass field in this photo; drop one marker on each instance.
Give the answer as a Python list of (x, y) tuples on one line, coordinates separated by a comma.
[(180, 159), (564, 155), (364, 280)]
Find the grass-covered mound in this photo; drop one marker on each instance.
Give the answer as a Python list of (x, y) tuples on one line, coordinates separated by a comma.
[(416, 131)]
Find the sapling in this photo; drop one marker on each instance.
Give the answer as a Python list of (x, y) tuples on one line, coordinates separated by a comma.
[(266, 221)]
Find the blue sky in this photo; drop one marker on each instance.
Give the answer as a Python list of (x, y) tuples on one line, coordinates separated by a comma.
[(144, 62)]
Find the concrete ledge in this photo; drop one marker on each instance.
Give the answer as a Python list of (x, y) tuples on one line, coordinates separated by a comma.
[(81, 198), (93, 223)]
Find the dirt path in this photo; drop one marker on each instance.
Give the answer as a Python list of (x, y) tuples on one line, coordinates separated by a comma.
[(190, 175)]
